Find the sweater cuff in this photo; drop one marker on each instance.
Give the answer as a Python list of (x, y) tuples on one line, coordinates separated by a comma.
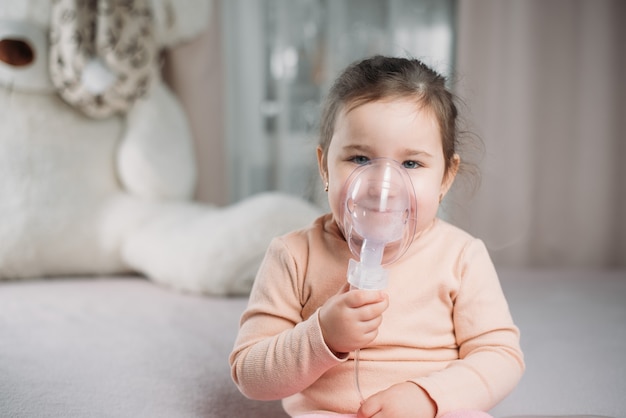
[(436, 393), (318, 340)]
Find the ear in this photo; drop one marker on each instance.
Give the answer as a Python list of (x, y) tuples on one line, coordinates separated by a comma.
[(450, 175), (321, 165)]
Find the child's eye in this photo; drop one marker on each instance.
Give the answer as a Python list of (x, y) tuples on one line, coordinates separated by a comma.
[(359, 159), (411, 164)]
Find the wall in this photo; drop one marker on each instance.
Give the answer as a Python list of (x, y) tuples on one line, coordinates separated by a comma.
[(543, 83)]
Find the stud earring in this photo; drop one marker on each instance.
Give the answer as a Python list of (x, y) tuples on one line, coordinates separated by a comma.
[(326, 187)]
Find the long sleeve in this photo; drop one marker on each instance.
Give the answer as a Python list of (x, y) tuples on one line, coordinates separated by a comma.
[(490, 360), (278, 352), (447, 327)]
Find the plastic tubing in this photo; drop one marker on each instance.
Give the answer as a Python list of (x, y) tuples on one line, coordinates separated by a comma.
[(379, 206)]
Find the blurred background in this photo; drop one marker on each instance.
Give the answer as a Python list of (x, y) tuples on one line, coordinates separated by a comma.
[(543, 102)]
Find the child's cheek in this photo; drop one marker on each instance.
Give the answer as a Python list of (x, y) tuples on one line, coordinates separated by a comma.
[(427, 197)]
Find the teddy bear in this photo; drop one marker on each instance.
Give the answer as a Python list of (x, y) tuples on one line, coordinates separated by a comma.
[(97, 166)]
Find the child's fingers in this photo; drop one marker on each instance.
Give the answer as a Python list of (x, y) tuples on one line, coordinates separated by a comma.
[(370, 407), (358, 298), (370, 311)]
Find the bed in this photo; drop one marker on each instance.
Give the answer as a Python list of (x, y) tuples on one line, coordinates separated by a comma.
[(125, 347)]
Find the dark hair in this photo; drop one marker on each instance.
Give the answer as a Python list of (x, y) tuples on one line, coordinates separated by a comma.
[(381, 77)]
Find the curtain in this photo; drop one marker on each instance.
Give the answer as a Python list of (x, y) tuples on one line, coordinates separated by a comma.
[(544, 93), (194, 71), (542, 82)]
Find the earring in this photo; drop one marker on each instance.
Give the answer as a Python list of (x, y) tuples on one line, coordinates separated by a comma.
[(326, 187)]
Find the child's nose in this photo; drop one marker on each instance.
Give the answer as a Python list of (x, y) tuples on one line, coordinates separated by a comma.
[(386, 192)]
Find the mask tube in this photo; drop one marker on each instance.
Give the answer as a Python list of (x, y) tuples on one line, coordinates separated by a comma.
[(378, 220)]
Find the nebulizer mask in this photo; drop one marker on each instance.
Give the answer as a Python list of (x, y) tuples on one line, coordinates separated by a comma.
[(378, 221)]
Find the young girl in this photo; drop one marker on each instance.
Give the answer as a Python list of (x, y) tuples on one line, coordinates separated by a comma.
[(439, 340)]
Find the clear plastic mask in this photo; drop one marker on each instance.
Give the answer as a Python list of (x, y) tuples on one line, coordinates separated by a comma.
[(378, 219)]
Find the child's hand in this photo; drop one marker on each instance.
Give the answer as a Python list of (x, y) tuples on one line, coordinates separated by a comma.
[(403, 400), (350, 319)]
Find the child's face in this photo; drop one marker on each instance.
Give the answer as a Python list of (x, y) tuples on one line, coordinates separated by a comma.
[(396, 129)]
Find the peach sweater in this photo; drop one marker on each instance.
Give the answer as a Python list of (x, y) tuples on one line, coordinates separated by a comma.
[(447, 329)]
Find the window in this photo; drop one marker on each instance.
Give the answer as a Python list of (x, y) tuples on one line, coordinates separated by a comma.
[(282, 55)]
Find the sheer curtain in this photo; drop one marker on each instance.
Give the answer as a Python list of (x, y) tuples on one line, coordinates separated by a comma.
[(543, 83), (281, 57), (253, 82), (194, 71), (544, 91)]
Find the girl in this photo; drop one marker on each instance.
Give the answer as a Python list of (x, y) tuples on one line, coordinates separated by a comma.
[(439, 339)]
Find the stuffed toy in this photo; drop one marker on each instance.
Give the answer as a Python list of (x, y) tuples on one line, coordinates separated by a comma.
[(96, 157)]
